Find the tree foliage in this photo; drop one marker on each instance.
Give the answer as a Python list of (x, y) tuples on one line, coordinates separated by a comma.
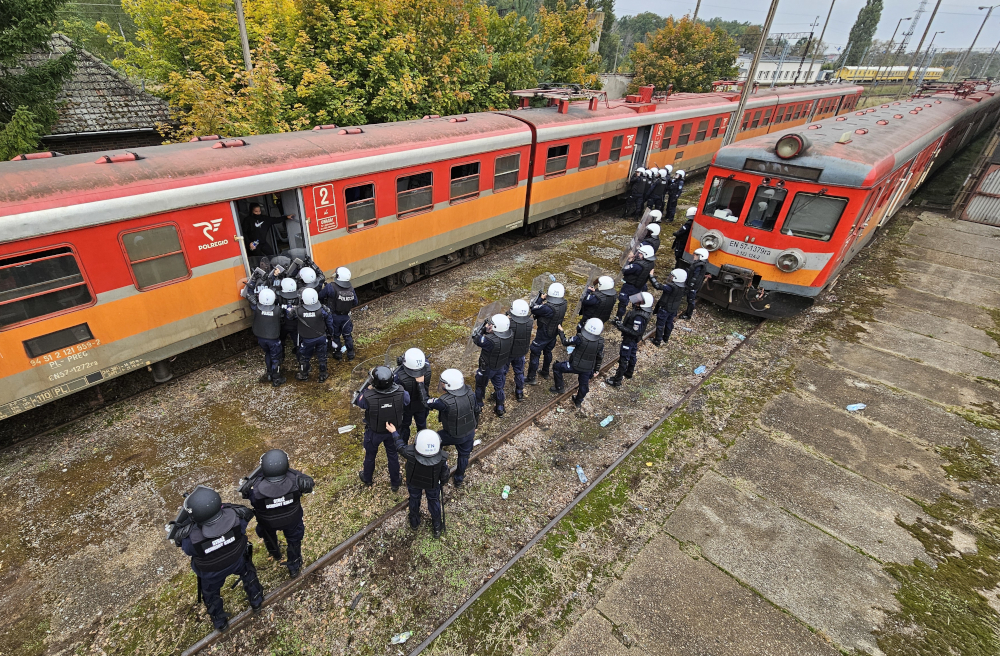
[(861, 33), (563, 48), (686, 54), (20, 135)]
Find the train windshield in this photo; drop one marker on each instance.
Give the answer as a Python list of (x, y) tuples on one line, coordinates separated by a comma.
[(814, 216), (765, 208), (726, 199)]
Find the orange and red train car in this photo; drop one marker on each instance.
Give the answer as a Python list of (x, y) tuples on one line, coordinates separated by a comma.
[(115, 263)]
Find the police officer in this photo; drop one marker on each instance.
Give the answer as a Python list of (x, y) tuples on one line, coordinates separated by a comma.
[(673, 193), (341, 299), (496, 341), (288, 296), (267, 329), (314, 322), (632, 329), (274, 490), (457, 413), (652, 237), (426, 473), (549, 311), (598, 301), (666, 308), (215, 536), (413, 373), (520, 327), (697, 275), (681, 238), (384, 402), (586, 358), (636, 193), (658, 190), (308, 278), (634, 276)]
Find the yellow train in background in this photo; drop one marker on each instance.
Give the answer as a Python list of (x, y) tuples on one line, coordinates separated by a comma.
[(884, 73)]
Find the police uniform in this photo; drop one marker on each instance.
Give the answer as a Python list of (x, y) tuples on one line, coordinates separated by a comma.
[(696, 276), (493, 361), (457, 414), (596, 304), (653, 241), (673, 194), (666, 308), (520, 327), (341, 298), (289, 324), (634, 277), (680, 243), (267, 322), (219, 549), (415, 409), (424, 475), (381, 407), (586, 358), (632, 328), (656, 194), (312, 327), (636, 196), (549, 314), (277, 507)]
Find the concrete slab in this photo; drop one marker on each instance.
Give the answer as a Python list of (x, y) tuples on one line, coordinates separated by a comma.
[(935, 352), (970, 315), (948, 289), (845, 505), (934, 219), (818, 579), (964, 263), (873, 452), (674, 604), (592, 635), (948, 330), (952, 276), (919, 379), (946, 240)]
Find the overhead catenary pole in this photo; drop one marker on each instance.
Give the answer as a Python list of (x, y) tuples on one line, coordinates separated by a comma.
[(696, 8), (961, 62), (243, 35), (820, 42), (989, 62), (878, 70), (916, 53), (734, 122)]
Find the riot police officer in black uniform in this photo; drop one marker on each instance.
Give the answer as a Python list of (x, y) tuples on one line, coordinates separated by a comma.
[(520, 326), (636, 193), (267, 329), (674, 194), (652, 237), (274, 490), (496, 341), (681, 238), (384, 401), (697, 274), (658, 190), (413, 373), (341, 298), (669, 303), (549, 310), (426, 473), (598, 302), (586, 358), (632, 329), (288, 295), (314, 322), (634, 276), (457, 413), (214, 534)]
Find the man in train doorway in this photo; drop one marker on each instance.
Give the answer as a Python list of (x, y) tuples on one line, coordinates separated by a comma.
[(340, 297), (257, 231), (696, 276)]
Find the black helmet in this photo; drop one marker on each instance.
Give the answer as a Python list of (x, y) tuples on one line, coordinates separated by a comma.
[(274, 464), (382, 378), (203, 504)]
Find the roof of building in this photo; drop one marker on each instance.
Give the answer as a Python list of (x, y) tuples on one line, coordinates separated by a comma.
[(97, 98)]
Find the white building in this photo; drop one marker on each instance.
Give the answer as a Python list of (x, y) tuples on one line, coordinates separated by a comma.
[(768, 70)]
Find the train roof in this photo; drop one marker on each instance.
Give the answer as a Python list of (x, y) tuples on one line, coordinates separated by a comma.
[(873, 149)]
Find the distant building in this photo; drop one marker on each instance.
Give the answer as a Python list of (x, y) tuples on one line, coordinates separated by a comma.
[(768, 69), (99, 108)]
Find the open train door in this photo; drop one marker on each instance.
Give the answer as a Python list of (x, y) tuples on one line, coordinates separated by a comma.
[(279, 229), (641, 149)]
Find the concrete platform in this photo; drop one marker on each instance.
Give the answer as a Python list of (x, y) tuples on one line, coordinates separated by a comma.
[(970, 315)]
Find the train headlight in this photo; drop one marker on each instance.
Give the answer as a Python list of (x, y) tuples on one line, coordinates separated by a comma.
[(791, 145), (790, 260), (712, 240)]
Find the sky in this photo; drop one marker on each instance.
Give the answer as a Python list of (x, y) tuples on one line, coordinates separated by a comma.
[(959, 20)]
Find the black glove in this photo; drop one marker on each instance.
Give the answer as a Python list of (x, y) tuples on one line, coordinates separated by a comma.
[(243, 512), (306, 484)]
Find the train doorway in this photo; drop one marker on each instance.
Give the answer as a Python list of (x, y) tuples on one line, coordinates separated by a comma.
[(271, 224), (641, 150)]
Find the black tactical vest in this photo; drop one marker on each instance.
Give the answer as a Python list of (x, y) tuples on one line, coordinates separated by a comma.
[(267, 321), (696, 275), (652, 241), (603, 309), (425, 472), (343, 299), (384, 407), (634, 315), (550, 323), (311, 323), (499, 356), (584, 356), (658, 191), (460, 418), (521, 327), (671, 298), (411, 385), (640, 188), (280, 505), (220, 544), (639, 277)]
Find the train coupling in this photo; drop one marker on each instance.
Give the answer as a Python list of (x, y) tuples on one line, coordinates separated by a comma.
[(735, 277)]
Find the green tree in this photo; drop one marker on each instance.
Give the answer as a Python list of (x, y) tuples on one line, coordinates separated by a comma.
[(862, 33), (686, 54), (563, 47), (20, 135)]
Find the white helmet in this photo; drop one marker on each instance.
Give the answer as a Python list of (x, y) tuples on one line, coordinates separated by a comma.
[(654, 229), (647, 251), (288, 285), (655, 216), (310, 298), (647, 301), (519, 308), (668, 168), (266, 296), (594, 326), (428, 442), (655, 171), (556, 290), (414, 359), (640, 171), (663, 174), (702, 253), (605, 283), (343, 274), (679, 275), (307, 275), (649, 174), (452, 379), (680, 174), (501, 323), (691, 211)]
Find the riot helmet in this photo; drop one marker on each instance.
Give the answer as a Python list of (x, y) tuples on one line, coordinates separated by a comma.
[(680, 174), (605, 283), (343, 277), (307, 275), (669, 169), (428, 443), (647, 252), (274, 464), (501, 323), (203, 504), (702, 253), (654, 229), (594, 326), (382, 378), (691, 211), (452, 379), (647, 301), (680, 276), (288, 285), (414, 361), (655, 216), (310, 299), (266, 296), (519, 308), (556, 290)]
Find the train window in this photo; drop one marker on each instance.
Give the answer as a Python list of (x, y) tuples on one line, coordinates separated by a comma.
[(685, 134), (767, 117), (40, 283), (591, 152), (505, 172), (702, 131), (726, 199), (716, 127), (616, 145), (798, 110), (746, 121), (464, 182), (555, 162), (360, 202), (756, 120), (668, 134), (414, 194), (155, 256), (813, 216), (765, 208)]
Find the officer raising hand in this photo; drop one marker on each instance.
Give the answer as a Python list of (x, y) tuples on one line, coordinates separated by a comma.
[(383, 401), (426, 473)]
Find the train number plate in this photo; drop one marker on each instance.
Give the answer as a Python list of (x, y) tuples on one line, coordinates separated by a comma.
[(326, 208)]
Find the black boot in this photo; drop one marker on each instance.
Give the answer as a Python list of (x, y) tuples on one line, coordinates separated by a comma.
[(336, 355), (577, 402), (221, 622), (531, 380), (302, 374), (544, 372), (322, 377), (277, 380), (266, 378), (657, 343), (557, 389), (350, 355), (519, 395), (630, 370), (500, 411)]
